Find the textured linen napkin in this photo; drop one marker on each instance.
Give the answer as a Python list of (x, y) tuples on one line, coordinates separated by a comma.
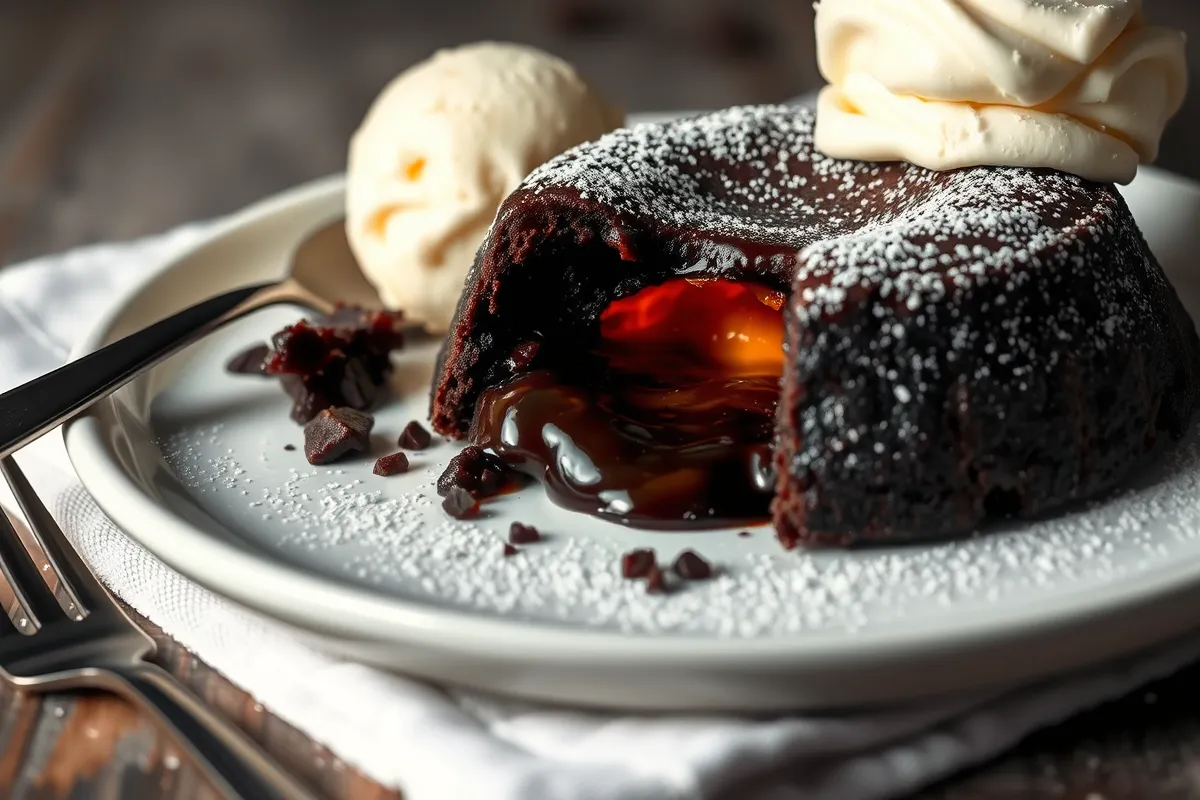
[(437, 744)]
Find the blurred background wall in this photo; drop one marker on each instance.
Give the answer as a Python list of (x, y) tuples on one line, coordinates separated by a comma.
[(124, 117)]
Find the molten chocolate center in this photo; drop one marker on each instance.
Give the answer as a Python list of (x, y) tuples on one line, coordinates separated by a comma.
[(667, 423)]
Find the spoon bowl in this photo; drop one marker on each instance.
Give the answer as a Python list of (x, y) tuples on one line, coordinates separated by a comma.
[(322, 272)]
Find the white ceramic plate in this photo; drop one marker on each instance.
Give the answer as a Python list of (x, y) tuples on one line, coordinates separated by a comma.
[(191, 463)]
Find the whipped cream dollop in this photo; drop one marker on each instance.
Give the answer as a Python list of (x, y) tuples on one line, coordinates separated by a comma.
[(1082, 86)]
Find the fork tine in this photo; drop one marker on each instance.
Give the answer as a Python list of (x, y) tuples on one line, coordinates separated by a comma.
[(73, 575), (7, 628), (24, 578)]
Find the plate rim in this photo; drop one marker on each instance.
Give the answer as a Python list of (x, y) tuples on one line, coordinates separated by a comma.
[(343, 610)]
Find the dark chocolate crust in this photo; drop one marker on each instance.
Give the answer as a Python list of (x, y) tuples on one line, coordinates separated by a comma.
[(1007, 396), (961, 345)]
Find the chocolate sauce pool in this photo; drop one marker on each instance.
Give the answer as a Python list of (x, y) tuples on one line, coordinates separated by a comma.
[(669, 425)]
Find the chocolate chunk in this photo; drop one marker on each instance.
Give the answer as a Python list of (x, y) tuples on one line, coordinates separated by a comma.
[(252, 361), (356, 387), (340, 360), (509, 550), (637, 564), (341, 381), (519, 533), (307, 404), (691, 566), (335, 432), (460, 503), (459, 471), (480, 473), (457, 476), (415, 437), (381, 330), (656, 581), (289, 447), (743, 534), (394, 464), (298, 349)]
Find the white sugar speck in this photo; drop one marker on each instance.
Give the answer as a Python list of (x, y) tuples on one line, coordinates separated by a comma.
[(405, 545)]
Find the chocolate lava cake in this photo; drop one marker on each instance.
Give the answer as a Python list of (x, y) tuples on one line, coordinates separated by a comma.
[(954, 346)]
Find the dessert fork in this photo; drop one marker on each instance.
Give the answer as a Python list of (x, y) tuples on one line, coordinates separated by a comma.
[(97, 646), (322, 270)]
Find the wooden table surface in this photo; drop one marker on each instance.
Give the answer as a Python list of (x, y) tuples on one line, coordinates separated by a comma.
[(125, 117)]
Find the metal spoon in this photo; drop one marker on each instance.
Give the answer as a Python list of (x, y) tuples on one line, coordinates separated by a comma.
[(322, 271)]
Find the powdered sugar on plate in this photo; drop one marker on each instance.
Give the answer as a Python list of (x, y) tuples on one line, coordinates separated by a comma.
[(223, 438)]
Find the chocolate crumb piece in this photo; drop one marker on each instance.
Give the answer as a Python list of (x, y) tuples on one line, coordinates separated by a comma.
[(691, 566), (656, 581), (460, 471), (744, 534), (252, 361), (298, 349), (335, 432), (460, 503), (457, 476), (338, 360), (509, 550), (415, 437), (394, 464), (519, 533), (289, 447), (307, 400), (637, 564), (482, 474)]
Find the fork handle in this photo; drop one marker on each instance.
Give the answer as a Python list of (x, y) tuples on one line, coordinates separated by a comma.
[(235, 765), (31, 410)]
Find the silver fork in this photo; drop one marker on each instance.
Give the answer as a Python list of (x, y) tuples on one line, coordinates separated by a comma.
[(98, 646)]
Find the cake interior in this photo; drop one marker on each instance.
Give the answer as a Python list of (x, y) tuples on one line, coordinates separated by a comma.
[(661, 414)]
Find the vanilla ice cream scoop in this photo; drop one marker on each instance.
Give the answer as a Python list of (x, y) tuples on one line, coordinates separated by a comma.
[(442, 146)]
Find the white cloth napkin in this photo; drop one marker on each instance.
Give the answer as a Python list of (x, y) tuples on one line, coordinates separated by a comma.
[(450, 745)]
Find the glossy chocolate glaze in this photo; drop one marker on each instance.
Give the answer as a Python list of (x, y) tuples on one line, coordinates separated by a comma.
[(666, 423)]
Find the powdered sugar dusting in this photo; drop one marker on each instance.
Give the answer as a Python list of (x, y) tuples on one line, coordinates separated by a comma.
[(924, 308), (752, 173), (388, 534)]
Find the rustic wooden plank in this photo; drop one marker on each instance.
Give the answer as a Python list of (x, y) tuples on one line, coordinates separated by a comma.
[(79, 744), (18, 725), (313, 763), (64, 745), (1146, 745)]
